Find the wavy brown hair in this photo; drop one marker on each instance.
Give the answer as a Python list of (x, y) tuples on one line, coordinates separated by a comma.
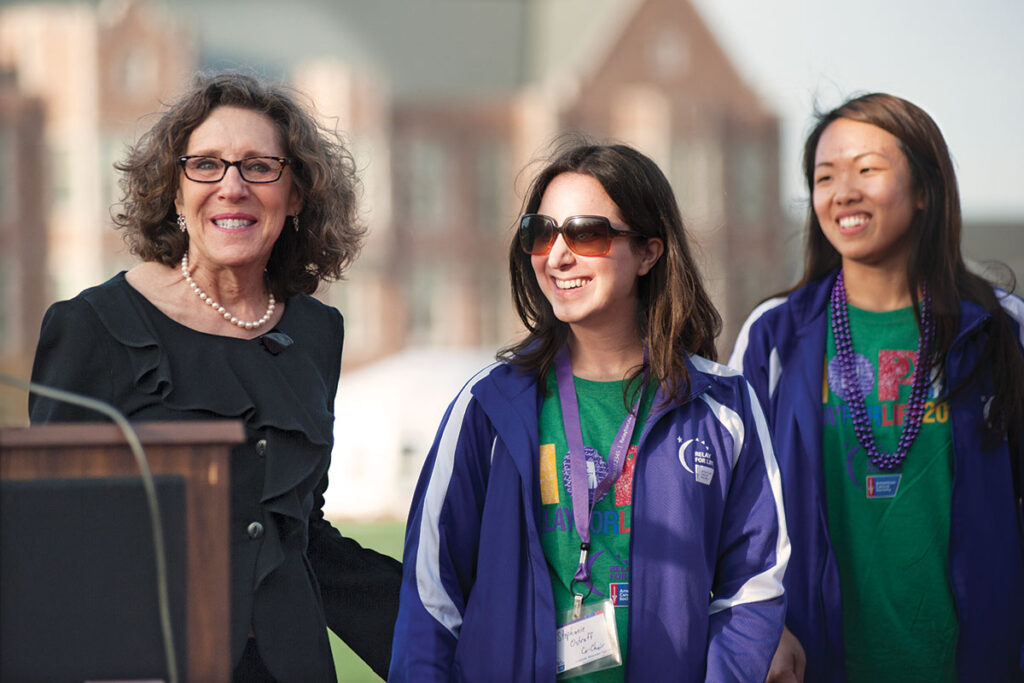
[(936, 259), (675, 315), (322, 170)]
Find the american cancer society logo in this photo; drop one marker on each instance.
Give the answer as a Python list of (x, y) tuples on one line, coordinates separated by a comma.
[(696, 457)]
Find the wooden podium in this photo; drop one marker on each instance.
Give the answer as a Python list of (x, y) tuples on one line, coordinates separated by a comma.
[(197, 453)]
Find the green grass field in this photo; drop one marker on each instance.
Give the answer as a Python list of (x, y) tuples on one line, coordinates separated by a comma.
[(385, 537)]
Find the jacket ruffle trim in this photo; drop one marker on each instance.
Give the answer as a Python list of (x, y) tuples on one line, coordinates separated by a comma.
[(222, 380)]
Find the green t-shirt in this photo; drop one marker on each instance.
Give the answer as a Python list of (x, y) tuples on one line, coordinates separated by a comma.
[(602, 411), (890, 532)]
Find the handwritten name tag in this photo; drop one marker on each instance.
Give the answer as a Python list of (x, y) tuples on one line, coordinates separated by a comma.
[(588, 644)]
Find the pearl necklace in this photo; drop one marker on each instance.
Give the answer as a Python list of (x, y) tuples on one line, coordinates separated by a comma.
[(220, 309), (855, 397)]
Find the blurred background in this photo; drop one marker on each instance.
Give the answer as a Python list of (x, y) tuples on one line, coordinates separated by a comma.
[(445, 103)]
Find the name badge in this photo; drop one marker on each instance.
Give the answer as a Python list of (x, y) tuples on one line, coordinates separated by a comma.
[(589, 643), (882, 485)]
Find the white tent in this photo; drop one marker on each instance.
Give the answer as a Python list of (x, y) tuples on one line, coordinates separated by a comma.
[(386, 416)]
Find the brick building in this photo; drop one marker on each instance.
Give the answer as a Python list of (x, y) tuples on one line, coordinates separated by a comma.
[(92, 74), (444, 104), (458, 135)]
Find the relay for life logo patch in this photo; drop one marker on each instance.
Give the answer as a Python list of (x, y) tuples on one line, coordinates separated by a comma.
[(697, 458)]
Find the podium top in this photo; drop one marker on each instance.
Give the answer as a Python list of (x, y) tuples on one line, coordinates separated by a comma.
[(208, 432)]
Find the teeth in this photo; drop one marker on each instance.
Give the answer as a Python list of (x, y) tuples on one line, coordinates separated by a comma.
[(570, 284), (233, 223), (852, 221)]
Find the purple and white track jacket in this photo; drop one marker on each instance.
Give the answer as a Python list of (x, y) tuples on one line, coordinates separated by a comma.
[(781, 350), (707, 553)]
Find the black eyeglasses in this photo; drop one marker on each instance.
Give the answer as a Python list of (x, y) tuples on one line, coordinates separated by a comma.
[(205, 169), (584, 235)]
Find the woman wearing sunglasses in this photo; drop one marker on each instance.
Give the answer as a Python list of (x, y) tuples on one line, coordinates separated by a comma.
[(604, 500)]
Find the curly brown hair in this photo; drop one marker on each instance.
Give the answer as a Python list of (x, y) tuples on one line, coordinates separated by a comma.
[(323, 171)]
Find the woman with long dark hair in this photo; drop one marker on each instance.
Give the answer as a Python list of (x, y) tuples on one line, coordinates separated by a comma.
[(604, 500), (893, 381)]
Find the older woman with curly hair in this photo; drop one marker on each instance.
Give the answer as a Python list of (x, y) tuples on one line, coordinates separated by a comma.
[(239, 205)]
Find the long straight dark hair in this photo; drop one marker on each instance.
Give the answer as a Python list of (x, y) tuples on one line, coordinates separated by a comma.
[(935, 259), (674, 316)]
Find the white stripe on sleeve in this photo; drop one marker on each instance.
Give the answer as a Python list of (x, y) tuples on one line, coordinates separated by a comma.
[(431, 591), (768, 584), (1014, 308), (739, 349)]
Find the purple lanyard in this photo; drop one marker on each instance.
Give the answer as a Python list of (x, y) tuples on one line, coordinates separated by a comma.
[(582, 509)]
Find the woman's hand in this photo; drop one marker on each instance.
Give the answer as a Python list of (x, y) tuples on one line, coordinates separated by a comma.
[(789, 661)]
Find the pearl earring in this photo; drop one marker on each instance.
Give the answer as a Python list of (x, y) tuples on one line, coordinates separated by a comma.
[(295, 222), (181, 222)]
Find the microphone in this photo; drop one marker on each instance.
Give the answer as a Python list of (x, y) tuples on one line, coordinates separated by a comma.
[(147, 483)]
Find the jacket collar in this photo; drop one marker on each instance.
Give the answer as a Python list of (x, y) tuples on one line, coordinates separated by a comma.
[(809, 303), (972, 316), (510, 398)]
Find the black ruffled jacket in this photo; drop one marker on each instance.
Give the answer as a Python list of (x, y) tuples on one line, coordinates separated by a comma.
[(292, 573)]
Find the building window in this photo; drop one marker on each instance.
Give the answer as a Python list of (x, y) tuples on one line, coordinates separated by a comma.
[(749, 180), (669, 54), (8, 171), (137, 73), (9, 339), (492, 186), (696, 176), (60, 175), (423, 295), (492, 287), (642, 116), (113, 151), (427, 173)]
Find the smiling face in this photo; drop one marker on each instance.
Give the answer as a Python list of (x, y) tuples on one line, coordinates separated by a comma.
[(863, 194), (234, 223), (599, 293)]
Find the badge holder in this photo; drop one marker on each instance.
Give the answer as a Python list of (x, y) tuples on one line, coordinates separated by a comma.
[(588, 640), (589, 643), (881, 484)]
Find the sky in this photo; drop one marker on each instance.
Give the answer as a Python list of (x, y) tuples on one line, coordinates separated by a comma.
[(962, 61)]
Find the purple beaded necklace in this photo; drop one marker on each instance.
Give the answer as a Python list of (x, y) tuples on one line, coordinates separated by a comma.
[(854, 395)]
